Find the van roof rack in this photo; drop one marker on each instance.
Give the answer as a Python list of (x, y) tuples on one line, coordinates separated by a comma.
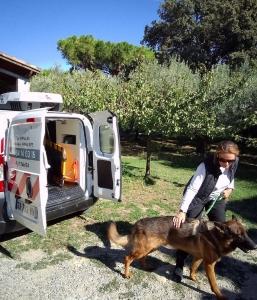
[(30, 97)]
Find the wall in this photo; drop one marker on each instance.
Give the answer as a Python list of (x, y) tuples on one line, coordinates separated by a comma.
[(23, 85)]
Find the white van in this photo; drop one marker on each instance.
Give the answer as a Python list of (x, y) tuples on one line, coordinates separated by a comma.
[(53, 163)]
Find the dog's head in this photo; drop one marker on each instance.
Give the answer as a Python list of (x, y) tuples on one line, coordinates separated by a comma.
[(241, 240)]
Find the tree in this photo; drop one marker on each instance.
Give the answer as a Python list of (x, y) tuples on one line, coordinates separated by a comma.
[(205, 33), (168, 101), (238, 110), (85, 52), (155, 100)]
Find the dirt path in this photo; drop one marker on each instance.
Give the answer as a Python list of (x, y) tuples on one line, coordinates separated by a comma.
[(94, 272)]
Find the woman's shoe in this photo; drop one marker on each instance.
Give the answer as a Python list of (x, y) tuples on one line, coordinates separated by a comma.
[(177, 275)]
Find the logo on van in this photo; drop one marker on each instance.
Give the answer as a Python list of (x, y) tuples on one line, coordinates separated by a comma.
[(29, 187)]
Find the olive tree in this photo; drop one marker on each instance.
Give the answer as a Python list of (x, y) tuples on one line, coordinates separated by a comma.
[(154, 95)]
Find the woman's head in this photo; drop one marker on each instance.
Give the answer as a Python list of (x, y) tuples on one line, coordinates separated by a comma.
[(227, 152)]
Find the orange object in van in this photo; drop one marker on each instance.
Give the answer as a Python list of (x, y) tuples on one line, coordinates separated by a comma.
[(70, 166)]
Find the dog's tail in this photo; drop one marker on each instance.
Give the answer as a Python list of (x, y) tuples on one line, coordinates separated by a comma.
[(115, 237)]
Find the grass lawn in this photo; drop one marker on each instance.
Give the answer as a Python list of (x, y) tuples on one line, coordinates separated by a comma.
[(161, 195)]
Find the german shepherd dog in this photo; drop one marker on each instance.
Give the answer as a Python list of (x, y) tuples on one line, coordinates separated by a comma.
[(206, 241)]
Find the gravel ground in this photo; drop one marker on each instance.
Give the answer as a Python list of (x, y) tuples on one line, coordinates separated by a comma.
[(94, 272)]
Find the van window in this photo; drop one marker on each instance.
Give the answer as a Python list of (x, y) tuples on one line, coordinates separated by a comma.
[(106, 139)]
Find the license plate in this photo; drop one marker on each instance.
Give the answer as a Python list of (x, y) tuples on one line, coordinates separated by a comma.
[(27, 209)]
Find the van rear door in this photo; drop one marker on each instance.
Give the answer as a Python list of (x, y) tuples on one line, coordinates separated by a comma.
[(27, 179), (106, 156)]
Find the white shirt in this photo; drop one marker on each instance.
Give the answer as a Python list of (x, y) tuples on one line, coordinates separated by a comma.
[(196, 182)]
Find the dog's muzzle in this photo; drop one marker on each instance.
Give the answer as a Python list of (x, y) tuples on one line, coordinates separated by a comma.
[(247, 244)]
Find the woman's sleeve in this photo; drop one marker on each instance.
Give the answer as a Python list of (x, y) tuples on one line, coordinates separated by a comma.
[(193, 187), (231, 185)]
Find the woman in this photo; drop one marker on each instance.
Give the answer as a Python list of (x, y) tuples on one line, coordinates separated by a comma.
[(213, 179)]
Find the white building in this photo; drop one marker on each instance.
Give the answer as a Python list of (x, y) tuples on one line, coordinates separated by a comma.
[(15, 74)]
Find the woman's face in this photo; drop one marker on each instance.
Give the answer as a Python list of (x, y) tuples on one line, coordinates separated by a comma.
[(226, 159)]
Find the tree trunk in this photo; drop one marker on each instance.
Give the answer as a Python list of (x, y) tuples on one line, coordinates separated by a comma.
[(148, 157), (202, 146)]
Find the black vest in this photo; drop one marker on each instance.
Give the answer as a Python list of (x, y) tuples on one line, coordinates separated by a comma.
[(212, 174)]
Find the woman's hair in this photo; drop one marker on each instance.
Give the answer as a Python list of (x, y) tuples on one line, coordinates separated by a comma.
[(228, 147)]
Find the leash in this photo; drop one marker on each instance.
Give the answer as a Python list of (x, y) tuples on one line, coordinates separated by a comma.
[(218, 198)]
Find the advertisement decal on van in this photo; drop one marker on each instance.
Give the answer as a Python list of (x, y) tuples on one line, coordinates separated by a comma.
[(26, 171)]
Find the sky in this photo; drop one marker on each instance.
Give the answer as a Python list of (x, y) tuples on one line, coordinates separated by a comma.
[(30, 29)]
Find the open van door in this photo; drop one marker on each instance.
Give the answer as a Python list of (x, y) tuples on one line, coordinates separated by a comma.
[(106, 156), (27, 176)]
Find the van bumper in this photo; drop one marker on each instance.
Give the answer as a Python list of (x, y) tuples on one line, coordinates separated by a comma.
[(67, 208), (53, 212)]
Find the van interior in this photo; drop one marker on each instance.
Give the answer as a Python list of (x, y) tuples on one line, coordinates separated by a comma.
[(64, 141)]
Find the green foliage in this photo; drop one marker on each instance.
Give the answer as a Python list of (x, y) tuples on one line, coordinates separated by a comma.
[(87, 53), (165, 100), (238, 111), (154, 95), (205, 33), (83, 92)]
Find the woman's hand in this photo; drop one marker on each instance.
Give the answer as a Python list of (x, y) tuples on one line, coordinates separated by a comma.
[(179, 219), (227, 193)]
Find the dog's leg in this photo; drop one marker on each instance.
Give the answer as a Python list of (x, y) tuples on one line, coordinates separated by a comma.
[(127, 262), (209, 268), (194, 267), (130, 258)]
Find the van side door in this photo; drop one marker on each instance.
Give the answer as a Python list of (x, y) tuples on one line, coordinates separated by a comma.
[(27, 178), (106, 156)]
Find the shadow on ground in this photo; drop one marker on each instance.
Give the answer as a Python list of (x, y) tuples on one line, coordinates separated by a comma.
[(246, 208), (110, 257), (5, 252), (100, 229)]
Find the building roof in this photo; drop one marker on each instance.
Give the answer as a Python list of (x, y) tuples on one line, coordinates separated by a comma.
[(17, 66)]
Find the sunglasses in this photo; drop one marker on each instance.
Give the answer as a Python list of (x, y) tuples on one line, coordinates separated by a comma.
[(230, 161)]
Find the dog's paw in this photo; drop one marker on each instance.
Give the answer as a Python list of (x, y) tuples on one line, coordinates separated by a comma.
[(193, 277), (127, 276)]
